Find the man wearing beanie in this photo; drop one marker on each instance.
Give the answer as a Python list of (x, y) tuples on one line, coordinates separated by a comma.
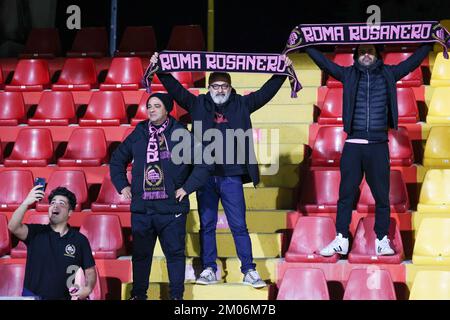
[(223, 109), (159, 193)]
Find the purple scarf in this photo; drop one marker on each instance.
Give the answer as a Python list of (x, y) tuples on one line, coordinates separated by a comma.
[(154, 187)]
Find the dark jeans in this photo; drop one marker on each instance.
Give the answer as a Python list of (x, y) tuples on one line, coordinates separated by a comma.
[(373, 161), (230, 191)]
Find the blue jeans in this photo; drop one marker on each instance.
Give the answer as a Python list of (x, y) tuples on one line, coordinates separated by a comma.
[(230, 191)]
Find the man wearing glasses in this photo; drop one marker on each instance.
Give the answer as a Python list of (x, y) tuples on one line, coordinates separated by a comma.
[(223, 110)]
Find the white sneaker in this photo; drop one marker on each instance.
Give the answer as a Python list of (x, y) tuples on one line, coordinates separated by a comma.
[(382, 247), (253, 279), (208, 276), (338, 245)]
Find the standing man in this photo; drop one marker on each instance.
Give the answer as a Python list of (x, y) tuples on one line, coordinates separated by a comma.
[(223, 109), (369, 110)]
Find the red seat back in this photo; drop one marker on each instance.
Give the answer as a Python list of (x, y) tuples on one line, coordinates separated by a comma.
[(186, 38), (54, 108), (33, 144), (11, 279), (5, 238), (109, 199), (106, 105), (42, 42), (328, 147), (90, 42), (407, 106), (20, 251), (125, 70), (331, 111), (412, 79), (185, 78), (320, 192), (400, 148), (140, 41), (86, 143), (344, 59), (12, 108), (15, 186), (369, 284), (30, 72), (303, 284), (78, 71)]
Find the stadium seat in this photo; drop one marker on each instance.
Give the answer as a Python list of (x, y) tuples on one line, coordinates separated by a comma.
[(33, 148), (439, 108), (435, 192), (14, 189), (5, 238), (12, 111), (343, 59), (412, 79), (398, 195), (320, 191), (90, 42), (437, 148), (78, 74), (1, 152), (20, 250), (86, 147), (407, 106), (11, 279), (363, 248), (369, 284), (125, 73), (440, 77), (186, 38), (331, 111), (2, 82), (55, 108), (431, 285), (105, 108), (104, 233), (185, 79), (137, 41), (127, 133), (74, 180), (432, 245), (328, 147), (30, 75), (42, 43), (311, 234), (109, 200), (400, 148), (303, 284)]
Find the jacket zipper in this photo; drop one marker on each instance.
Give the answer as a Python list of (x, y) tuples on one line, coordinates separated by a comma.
[(368, 100)]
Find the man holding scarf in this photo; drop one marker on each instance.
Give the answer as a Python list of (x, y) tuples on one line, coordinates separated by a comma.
[(158, 192)]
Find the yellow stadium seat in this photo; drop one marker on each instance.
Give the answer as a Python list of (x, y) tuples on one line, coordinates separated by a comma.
[(432, 246), (440, 77), (431, 285), (439, 109), (435, 192), (437, 149), (446, 24)]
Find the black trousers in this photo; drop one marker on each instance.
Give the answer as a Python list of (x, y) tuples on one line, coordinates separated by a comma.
[(171, 231), (371, 160)]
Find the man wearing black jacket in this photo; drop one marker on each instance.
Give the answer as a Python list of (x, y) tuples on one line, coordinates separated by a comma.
[(159, 188), (369, 110), (223, 109)]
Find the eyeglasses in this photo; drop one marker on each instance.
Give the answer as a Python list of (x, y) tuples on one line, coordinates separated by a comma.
[(59, 204), (224, 86)]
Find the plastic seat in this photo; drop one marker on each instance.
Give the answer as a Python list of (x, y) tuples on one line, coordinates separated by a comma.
[(303, 284), (105, 108), (86, 147), (125, 73), (342, 59), (432, 246), (412, 79), (369, 284), (104, 233), (30, 75), (90, 42), (437, 148), (184, 78), (398, 195), (12, 110), (11, 279), (109, 199), (5, 239), (55, 108), (186, 38), (15, 186), (440, 77), (400, 148), (74, 180), (435, 192), (78, 74), (331, 111), (2, 82), (407, 106), (42, 43), (328, 147), (320, 192), (33, 148), (431, 285), (20, 250), (363, 247), (311, 234), (439, 108), (137, 41)]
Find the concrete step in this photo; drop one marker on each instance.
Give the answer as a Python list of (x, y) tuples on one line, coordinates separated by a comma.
[(287, 176), (283, 153)]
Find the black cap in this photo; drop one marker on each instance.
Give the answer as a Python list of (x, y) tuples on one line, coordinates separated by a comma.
[(165, 98)]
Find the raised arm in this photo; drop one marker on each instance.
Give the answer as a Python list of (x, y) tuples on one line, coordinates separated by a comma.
[(325, 64), (413, 62)]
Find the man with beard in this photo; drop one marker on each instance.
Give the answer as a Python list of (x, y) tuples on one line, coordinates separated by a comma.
[(223, 109)]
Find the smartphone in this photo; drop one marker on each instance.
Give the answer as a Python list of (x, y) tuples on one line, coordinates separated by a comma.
[(40, 182)]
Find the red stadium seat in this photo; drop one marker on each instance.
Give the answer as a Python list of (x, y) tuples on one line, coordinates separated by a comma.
[(328, 147), (2, 82), (407, 106), (5, 239), (90, 42), (78, 74), (363, 248), (127, 133), (105, 108), (74, 180), (12, 110), (412, 79), (342, 59), (1, 152), (109, 199), (186, 38), (369, 284), (137, 41), (20, 251), (398, 195), (125, 73), (42, 43), (303, 284), (311, 234), (11, 279), (15, 186), (104, 233), (86, 147), (33, 148), (400, 148), (185, 79), (345, 48), (30, 75), (321, 191), (55, 108), (331, 111)]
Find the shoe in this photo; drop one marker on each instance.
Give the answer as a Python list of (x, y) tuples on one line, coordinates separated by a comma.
[(382, 247), (253, 279), (208, 276), (338, 245)]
